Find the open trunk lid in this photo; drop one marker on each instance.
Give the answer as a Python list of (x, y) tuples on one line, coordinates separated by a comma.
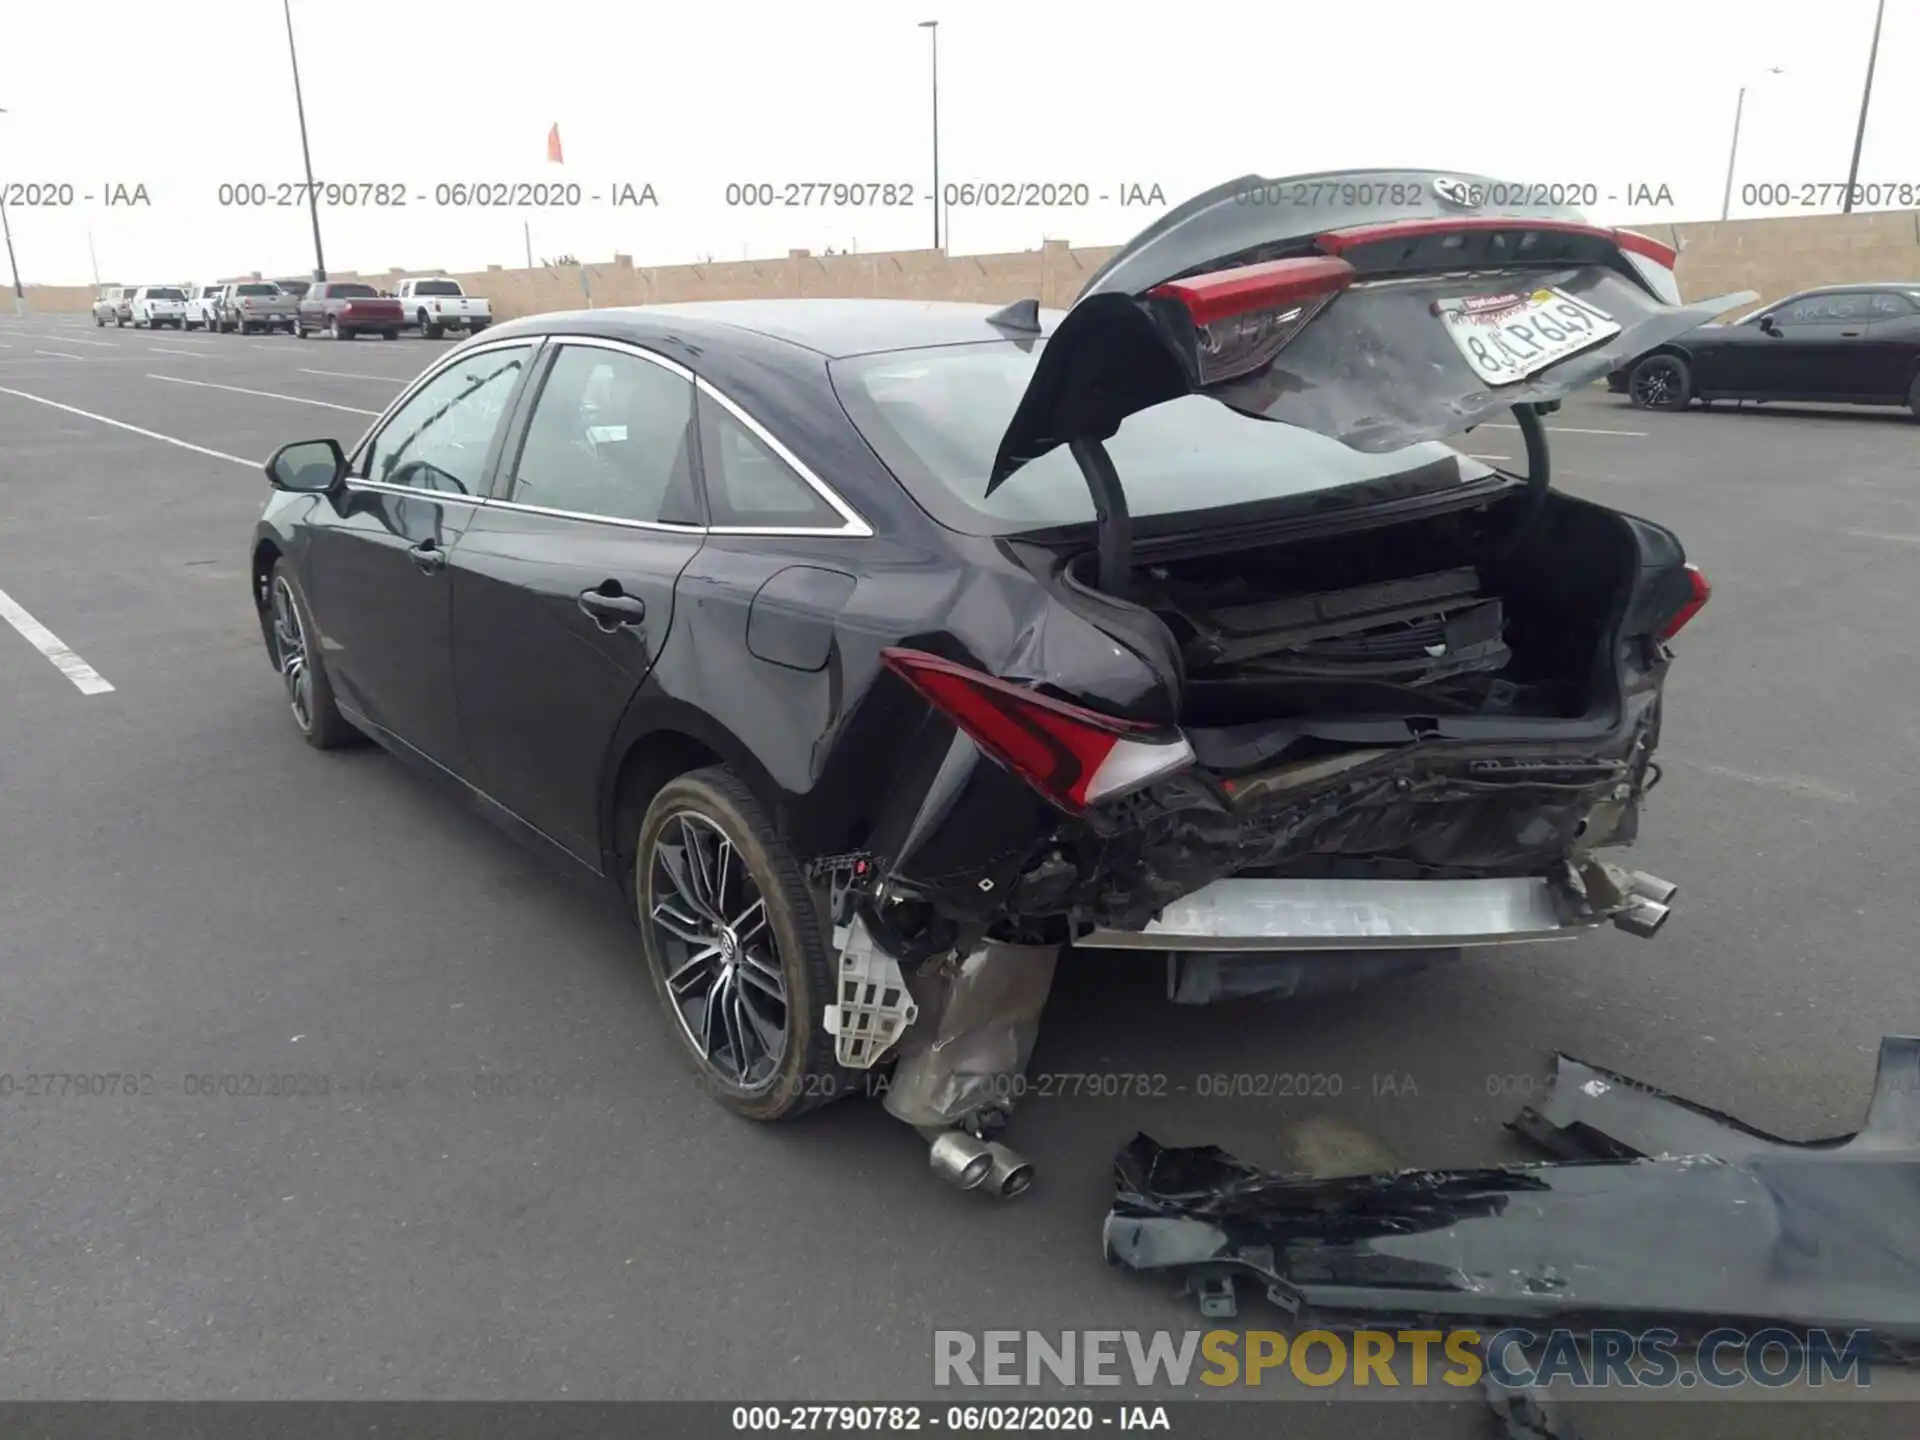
[(1377, 307)]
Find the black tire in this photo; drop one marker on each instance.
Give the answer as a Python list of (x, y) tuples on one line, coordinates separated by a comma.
[(99, 322), (714, 801), (1913, 397), (337, 331), (118, 323), (319, 719), (1660, 382), (389, 334), (428, 329)]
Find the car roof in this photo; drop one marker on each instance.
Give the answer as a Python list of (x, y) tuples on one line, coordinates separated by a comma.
[(833, 328)]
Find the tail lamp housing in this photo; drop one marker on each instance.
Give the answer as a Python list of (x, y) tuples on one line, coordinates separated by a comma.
[(1076, 758)]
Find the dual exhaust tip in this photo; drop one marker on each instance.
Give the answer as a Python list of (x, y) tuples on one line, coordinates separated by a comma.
[(1650, 901), (974, 1164)]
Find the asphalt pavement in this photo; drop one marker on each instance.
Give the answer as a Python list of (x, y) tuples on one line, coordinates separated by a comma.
[(512, 1188)]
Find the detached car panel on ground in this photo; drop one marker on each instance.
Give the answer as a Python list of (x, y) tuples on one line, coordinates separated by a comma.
[(863, 640), (1847, 345)]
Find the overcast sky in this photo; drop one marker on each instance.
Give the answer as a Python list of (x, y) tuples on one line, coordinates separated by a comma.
[(690, 97)]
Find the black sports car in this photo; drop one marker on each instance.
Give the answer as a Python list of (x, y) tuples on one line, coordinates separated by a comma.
[(877, 649), (1843, 345)]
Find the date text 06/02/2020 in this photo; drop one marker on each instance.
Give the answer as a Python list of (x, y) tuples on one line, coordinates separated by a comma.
[(954, 195), (443, 194)]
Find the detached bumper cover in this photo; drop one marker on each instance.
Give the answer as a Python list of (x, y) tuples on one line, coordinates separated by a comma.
[(1727, 1226)]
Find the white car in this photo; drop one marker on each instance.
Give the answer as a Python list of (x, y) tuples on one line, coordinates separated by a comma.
[(202, 306), (157, 305)]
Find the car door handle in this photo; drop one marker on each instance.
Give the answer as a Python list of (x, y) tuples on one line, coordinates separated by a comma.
[(429, 557), (1849, 334), (610, 612)]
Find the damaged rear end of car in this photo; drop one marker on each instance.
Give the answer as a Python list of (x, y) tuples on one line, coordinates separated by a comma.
[(1403, 710)]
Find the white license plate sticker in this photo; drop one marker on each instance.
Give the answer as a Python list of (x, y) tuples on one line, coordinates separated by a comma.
[(1507, 337)]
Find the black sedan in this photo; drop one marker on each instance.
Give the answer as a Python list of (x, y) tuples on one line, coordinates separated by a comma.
[(1844, 345), (864, 644)]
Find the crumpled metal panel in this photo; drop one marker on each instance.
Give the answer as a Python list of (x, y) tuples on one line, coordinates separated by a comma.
[(1728, 1226), (979, 1019)]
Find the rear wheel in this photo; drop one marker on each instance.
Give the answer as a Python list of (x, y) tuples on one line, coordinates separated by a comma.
[(296, 654), (736, 948), (1913, 398), (337, 331), (1660, 382), (389, 334), (428, 329)]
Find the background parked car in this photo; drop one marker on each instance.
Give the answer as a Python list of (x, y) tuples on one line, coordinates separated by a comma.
[(107, 309), (1844, 345), (252, 306), (203, 306), (436, 305), (153, 306), (346, 308)]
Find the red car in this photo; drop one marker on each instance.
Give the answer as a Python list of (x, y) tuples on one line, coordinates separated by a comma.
[(346, 308)]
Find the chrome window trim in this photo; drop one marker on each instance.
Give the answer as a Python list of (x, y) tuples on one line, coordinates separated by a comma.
[(416, 492), (665, 526), (853, 525)]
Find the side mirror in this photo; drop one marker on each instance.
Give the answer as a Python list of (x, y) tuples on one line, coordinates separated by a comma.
[(1769, 326), (307, 467)]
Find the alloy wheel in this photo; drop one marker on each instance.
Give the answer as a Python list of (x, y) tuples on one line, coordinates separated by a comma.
[(719, 955), (290, 653), (1657, 385)]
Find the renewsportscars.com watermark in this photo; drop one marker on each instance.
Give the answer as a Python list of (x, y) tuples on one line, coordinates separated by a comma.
[(1386, 1359)]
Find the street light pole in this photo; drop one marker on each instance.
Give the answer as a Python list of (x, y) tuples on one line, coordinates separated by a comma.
[(1866, 98), (934, 27), (1733, 150), (1726, 197), (6, 228), (306, 156)]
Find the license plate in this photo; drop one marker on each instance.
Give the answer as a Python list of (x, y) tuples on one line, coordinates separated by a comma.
[(1507, 337)]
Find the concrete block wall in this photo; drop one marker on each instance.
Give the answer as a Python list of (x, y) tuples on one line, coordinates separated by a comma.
[(1775, 256)]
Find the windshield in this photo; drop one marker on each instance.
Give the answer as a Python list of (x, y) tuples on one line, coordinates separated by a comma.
[(936, 416), (256, 289), (166, 292), (435, 287), (352, 292)]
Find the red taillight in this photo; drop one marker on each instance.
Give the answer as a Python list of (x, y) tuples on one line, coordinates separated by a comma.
[(1274, 285), (1700, 592), (1074, 757), (1650, 260), (1243, 318)]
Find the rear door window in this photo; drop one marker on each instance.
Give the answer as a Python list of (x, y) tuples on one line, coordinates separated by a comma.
[(611, 437)]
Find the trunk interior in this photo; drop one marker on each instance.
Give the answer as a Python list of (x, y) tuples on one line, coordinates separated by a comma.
[(1503, 610)]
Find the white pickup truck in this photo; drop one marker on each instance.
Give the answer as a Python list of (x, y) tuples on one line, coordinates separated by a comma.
[(437, 305)]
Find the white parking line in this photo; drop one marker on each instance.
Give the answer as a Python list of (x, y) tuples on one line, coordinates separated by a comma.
[(346, 375), (1569, 430), (190, 354), (262, 394), (57, 354), (87, 679), (81, 340), (135, 429)]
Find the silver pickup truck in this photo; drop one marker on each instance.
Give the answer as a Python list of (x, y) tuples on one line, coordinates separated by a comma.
[(256, 305)]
